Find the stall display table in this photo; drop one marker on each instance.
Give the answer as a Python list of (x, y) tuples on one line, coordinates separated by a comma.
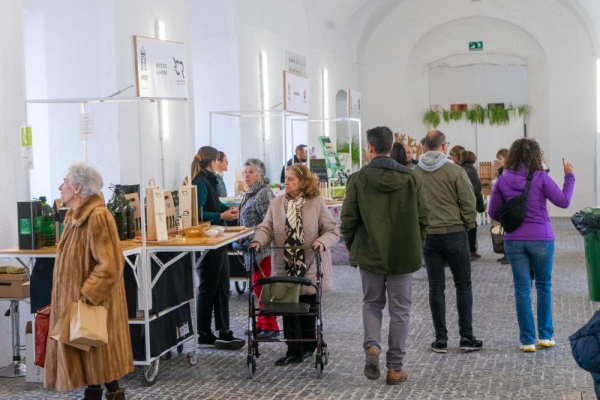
[(145, 282)]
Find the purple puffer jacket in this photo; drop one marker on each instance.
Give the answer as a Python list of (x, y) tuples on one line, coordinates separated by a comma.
[(536, 225)]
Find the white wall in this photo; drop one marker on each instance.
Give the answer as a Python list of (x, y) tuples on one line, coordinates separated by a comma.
[(555, 46)]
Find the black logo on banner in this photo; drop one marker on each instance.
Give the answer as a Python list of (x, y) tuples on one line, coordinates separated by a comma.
[(143, 58), (177, 64)]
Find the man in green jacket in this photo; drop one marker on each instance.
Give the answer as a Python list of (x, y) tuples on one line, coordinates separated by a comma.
[(384, 220), (450, 194)]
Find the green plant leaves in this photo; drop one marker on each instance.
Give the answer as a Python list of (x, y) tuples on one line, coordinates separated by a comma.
[(477, 115), (344, 147)]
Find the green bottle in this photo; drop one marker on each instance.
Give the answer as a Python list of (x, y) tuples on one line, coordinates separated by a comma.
[(48, 223), (130, 221), (121, 220)]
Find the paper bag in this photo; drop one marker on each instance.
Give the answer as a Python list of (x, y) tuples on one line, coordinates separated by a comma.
[(134, 202), (88, 324), (170, 212), (61, 331), (157, 222), (188, 206)]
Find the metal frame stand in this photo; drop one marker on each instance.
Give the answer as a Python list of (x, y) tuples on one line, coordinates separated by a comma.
[(17, 368)]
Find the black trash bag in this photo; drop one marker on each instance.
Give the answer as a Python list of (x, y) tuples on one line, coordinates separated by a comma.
[(586, 224)]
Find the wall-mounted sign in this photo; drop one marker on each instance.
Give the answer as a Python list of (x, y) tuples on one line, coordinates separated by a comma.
[(160, 68), (354, 106), (295, 89), (475, 46), (86, 126)]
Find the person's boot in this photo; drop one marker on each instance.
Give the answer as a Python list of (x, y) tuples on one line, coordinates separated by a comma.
[(395, 377), (92, 393), (372, 370), (118, 395)]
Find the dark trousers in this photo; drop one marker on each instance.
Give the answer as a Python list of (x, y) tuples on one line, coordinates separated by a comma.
[(214, 292), (296, 327), (472, 233), (451, 248)]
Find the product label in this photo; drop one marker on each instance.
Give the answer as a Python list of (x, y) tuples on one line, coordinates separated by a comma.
[(37, 224), (49, 229), (25, 226)]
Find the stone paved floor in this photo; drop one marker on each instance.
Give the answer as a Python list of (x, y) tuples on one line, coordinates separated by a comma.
[(500, 371)]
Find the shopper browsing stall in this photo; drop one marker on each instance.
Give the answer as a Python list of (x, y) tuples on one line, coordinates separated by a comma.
[(89, 266), (300, 157), (214, 290), (299, 217), (253, 210)]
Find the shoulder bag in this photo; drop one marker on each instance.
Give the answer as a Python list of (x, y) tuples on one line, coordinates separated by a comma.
[(512, 213)]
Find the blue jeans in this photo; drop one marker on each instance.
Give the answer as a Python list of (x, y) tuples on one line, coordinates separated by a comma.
[(522, 254), (451, 248)]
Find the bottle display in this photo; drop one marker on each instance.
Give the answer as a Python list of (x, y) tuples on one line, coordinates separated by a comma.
[(130, 221), (120, 214), (48, 224)]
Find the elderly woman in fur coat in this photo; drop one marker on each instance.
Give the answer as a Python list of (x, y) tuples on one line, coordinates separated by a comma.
[(299, 218), (89, 266)]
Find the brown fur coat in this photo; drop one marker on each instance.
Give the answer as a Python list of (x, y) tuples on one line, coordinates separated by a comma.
[(89, 263)]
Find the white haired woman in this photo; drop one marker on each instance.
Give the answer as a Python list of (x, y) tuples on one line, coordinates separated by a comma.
[(253, 210), (89, 266)]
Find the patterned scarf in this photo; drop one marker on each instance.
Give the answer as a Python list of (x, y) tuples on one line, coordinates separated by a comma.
[(295, 263)]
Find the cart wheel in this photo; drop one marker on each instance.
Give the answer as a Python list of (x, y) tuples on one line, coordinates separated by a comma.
[(180, 349), (150, 373), (192, 359), (240, 288), (251, 367), (167, 356), (319, 365)]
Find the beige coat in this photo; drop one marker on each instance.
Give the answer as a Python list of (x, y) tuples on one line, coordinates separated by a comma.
[(89, 262), (318, 225)]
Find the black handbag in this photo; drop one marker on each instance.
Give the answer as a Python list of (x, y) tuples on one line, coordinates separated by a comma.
[(512, 213)]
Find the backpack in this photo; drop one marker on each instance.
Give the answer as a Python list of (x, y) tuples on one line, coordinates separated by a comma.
[(512, 213)]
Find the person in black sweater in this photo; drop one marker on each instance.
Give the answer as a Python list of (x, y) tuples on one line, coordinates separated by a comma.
[(299, 158), (468, 160)]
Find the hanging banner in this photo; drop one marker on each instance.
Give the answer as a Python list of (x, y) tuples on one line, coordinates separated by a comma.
[(160, 68), (354, 104), (295, 89)]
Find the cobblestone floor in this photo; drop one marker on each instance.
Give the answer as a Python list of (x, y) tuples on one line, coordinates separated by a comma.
[(500, 371)]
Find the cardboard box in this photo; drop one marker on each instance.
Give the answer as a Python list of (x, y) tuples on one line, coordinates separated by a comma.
[(29, 214), (14, 286), (137, 212), (188, 206)]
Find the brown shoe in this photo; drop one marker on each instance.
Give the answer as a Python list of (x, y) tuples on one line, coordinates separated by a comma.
[(395, 377), (372, 370), (118, 395)]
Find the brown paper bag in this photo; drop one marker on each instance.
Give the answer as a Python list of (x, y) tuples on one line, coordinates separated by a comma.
[(88, 324), (157, 221), (61, 333), (188, 206)]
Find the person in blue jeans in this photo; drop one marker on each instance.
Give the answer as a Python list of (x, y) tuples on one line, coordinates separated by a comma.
[(532, 244)]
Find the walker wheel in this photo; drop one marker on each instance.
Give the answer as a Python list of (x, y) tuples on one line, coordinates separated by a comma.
[(251, 367), (319, 365), (192, 359), (149, 373)]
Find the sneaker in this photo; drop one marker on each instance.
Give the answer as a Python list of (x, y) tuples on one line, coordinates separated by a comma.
[(228, 342), (527, 348), (394, 377), (546, 342), (207, 340), (470, 345), (268, 335), (439, 346), (372, 370)]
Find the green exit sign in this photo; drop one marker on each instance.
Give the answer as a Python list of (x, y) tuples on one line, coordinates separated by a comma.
[(475, 46)]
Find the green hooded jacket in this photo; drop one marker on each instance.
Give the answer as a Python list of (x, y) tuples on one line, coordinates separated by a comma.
[(384, 218)]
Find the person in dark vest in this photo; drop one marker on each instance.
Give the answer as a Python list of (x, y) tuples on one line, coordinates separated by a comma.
[(300, 157), (214, 290)]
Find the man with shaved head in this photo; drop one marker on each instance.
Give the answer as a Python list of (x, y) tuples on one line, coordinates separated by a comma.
[(452, 201)]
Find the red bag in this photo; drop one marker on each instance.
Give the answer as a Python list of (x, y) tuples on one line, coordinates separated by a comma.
[(42, 326)]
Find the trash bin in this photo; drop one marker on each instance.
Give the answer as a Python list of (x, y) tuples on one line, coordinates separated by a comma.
[(587, 222)]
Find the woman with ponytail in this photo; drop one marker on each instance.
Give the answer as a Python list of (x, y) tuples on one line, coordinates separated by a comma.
[(214, 290)]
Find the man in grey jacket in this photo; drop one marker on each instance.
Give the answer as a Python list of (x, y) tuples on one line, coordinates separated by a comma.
[(450, 196)]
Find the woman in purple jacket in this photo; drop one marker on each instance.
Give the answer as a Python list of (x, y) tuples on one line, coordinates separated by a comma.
[(533, 242)]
